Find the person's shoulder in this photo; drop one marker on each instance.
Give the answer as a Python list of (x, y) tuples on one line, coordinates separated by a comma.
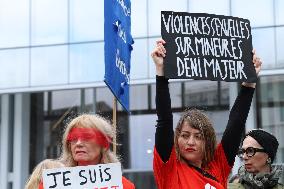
[(235, 186), (279, 186), (234, 179), (127, 184), (40, 186)]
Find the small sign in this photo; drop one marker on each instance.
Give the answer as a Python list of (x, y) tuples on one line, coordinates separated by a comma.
[(102, 176)]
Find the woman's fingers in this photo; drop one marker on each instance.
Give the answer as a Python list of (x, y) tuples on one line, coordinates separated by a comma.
[(258, 62), (159, 52), (160, 41), (255, 58), (162, 48), (253, 51)]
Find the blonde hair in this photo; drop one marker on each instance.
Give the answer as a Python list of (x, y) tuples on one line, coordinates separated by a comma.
[(198, 120), (36, 176), (88, 121)]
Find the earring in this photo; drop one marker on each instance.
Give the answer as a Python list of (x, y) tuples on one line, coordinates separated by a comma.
[(268, 161)]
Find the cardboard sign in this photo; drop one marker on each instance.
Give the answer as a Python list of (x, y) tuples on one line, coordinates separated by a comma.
[(102, 176), (118, 47), (208, 47)]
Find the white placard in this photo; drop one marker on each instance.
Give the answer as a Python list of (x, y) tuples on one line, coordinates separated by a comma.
[(101, 176)]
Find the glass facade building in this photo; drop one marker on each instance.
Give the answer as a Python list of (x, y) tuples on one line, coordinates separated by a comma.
[(52, 69)]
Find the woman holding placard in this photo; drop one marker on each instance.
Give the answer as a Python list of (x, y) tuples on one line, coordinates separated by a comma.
[(86, 141), (189, 157)]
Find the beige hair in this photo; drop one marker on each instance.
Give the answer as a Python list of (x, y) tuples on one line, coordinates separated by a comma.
[(88, 121), (36, 176), (198, 120)]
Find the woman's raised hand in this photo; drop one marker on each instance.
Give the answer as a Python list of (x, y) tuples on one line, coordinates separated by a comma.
[(158, 55)]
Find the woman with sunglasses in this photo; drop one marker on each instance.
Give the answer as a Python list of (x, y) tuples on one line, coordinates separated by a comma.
[(258, 152), (189, 158)]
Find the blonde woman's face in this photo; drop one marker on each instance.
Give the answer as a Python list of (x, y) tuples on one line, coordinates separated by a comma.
[(86, 152), (191, 144)]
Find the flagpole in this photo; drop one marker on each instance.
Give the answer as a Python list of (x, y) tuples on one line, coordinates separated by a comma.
[(114, 122)]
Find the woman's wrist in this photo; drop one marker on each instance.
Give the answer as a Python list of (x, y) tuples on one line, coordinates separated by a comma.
[(159, 71), (252, 85)]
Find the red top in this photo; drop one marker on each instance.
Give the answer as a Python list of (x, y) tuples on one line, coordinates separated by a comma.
[(40, 185), (126, 184), (175, 174)]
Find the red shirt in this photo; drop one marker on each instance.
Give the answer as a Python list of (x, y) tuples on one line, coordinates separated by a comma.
[(126, 184), (177, 175)]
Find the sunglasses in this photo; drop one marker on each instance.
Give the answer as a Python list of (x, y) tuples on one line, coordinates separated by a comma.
[(250, 151)]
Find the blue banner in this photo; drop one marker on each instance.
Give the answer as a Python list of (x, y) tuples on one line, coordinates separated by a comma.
[(118, 47)]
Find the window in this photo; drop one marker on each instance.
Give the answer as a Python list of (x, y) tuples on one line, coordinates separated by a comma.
[(139, 18), (176, 94), (264, 43), (155, 8), (248, 10), (49, 22), (90, 100), (138, 95), (86, 20), (151, 67), (49, 65), (14, 23), (16, 68), (87, 63), (139, 60), (65, 99), (104, 99), (279, 13), (142, 140), (201, 93), (280, 48), (271, 108), (203, 6)]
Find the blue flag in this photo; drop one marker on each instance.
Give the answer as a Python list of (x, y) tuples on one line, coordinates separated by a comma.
[(118, 47)]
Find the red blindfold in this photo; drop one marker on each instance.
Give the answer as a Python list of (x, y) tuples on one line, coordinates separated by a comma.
[(87, 134)]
